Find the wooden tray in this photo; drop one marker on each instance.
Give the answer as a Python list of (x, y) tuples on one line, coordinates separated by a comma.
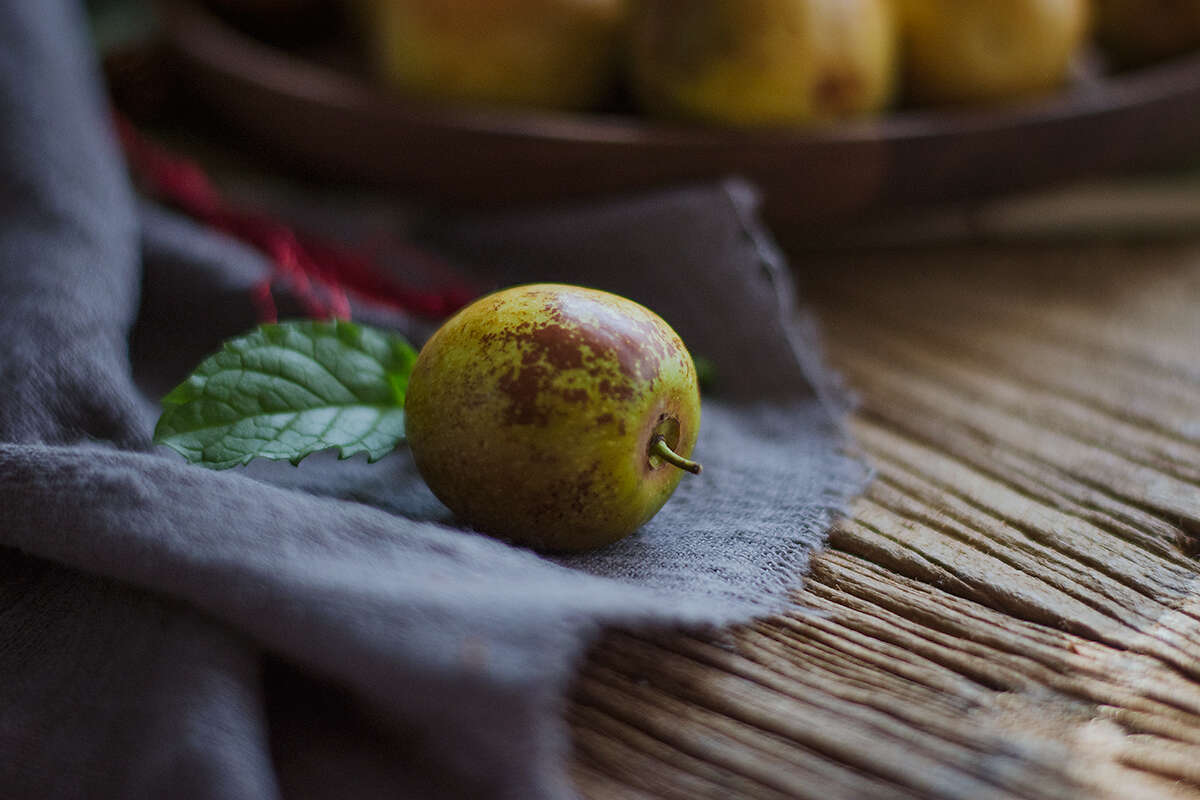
[(336, 124)]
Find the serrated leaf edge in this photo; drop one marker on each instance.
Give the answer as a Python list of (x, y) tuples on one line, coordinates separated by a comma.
[(399, 350)]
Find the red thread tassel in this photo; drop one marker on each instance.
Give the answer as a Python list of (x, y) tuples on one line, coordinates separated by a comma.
[(318, 272)]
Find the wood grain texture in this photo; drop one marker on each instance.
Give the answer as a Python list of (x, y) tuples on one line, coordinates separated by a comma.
[(1012, 610)]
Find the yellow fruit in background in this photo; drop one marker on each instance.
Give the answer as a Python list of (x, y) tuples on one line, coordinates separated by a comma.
[(1138, 32), (540, 53), (762, 62), (970, 51)]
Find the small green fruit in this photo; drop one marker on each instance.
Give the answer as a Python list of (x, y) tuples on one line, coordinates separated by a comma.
[(555, 416)]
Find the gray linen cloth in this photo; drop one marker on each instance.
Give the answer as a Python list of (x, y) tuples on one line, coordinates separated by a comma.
[(329, 630)]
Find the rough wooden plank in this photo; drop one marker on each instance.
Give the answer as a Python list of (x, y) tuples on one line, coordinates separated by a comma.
[(1013, 609)]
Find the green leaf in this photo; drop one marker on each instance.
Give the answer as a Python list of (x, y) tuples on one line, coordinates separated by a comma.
[(287, 390)]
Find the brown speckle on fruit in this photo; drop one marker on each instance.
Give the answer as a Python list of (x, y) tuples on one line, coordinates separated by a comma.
[(837, 92)]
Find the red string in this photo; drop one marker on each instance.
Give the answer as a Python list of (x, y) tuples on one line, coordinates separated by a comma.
[(319, 273)]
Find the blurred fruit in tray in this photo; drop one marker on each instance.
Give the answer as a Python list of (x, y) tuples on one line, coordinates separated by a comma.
[(760, 62), (561, 54), (981, 51), (741, 63), (1139, 32)]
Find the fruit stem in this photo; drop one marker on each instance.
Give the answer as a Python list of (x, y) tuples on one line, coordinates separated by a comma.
[(660, 448)]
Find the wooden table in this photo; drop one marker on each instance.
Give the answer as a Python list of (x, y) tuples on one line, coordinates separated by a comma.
[(1013, 608)]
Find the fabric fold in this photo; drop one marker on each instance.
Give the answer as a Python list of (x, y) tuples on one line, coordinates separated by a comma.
[(70, 240)]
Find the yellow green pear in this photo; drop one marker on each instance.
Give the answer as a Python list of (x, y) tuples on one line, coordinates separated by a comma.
[(980, 51), (556, 416), (560, 54), (1137, 32), (762, 62)]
